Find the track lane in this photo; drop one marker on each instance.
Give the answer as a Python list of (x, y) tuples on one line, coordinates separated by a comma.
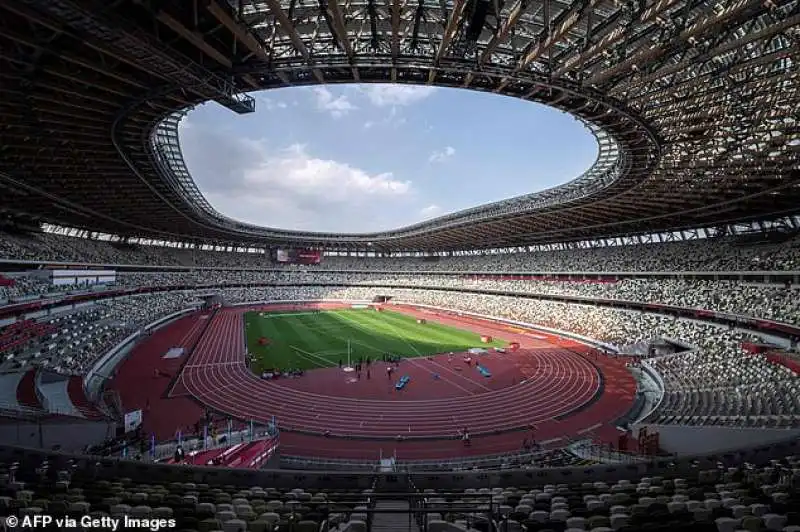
[(567, 380)]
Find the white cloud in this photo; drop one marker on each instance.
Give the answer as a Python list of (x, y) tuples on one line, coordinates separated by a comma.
[(336, 106), (393, 95), (295, 170), (391, 119), (292, 188), (269, 104), (439, 156), (430, 211)]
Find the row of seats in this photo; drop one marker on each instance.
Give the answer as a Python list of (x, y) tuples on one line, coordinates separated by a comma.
[(775, 302), (763, 301), (73, 341), (720, 254), (745, 497)]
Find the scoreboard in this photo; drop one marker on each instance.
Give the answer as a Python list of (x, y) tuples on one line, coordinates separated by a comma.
[(298, 256)]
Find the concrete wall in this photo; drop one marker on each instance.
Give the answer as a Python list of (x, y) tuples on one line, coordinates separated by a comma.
[(72, 435), (684, 440)]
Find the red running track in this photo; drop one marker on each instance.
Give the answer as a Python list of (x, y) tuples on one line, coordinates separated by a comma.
[(217, 376), (140, 387), (561, 379)]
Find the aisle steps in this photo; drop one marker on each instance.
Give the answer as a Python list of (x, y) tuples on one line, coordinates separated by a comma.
[(393, 522)]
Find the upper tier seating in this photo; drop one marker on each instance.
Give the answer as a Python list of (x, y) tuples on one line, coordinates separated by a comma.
[(763, 301), (719, 254)]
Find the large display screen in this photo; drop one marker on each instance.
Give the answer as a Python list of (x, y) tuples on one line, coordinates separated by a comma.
[(298, 256)]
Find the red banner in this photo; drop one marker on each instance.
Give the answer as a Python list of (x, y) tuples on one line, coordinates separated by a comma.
[(754, 348), (784, 360), (309, 256)]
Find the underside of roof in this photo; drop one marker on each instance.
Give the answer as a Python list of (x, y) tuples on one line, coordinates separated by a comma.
[(694, 105)]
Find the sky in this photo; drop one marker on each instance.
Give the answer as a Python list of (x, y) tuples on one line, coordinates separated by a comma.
[(364, 158)]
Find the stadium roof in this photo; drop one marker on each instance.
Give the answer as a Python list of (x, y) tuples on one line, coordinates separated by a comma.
[(694, 104)]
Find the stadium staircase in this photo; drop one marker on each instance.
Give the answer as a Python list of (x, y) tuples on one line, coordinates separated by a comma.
[(27, 392), (77, 396), (398, 519)]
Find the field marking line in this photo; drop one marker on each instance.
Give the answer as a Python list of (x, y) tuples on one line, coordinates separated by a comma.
[(366, 329), (270, 315), (212, 364), (461, 375), (436, 362), (358, 342), (420, 355), (329, 363), (299, 328), (310, 357)]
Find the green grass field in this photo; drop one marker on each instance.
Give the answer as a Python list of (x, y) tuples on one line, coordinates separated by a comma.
[(311, 340)]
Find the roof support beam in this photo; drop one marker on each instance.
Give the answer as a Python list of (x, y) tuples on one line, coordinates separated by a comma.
[(193, 37), (339, 27), (243, 34), (450, 28), (769, 31), (291, 31), (498, 38), (396, 9), (551, 37), (707, 24), (613, 37)]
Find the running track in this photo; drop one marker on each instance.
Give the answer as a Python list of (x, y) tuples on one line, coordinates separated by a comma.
[(217, 376)]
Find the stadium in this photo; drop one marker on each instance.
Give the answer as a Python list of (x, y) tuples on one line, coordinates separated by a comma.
[(617, 352)]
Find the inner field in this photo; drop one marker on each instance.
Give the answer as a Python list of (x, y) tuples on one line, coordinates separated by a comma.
[(311, 339), (555, 380)]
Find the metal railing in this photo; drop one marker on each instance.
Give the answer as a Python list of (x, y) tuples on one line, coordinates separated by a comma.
[(474, 508), (595, 452)]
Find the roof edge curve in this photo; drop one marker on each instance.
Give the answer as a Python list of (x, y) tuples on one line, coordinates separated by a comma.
[(627, 148)]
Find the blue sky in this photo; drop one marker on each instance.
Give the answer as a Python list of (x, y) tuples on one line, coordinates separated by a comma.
[(360, 158)]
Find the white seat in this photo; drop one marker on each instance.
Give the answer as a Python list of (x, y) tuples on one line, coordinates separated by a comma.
[(225, 515), (619, 520), (726, 524), (595, 505), (234, 525), (577, 523), (774, 521), (355, 526), (141, 512), (118, 510), (269, 517)]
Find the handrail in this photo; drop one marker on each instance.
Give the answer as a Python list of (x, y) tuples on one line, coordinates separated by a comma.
[(100, 468)]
